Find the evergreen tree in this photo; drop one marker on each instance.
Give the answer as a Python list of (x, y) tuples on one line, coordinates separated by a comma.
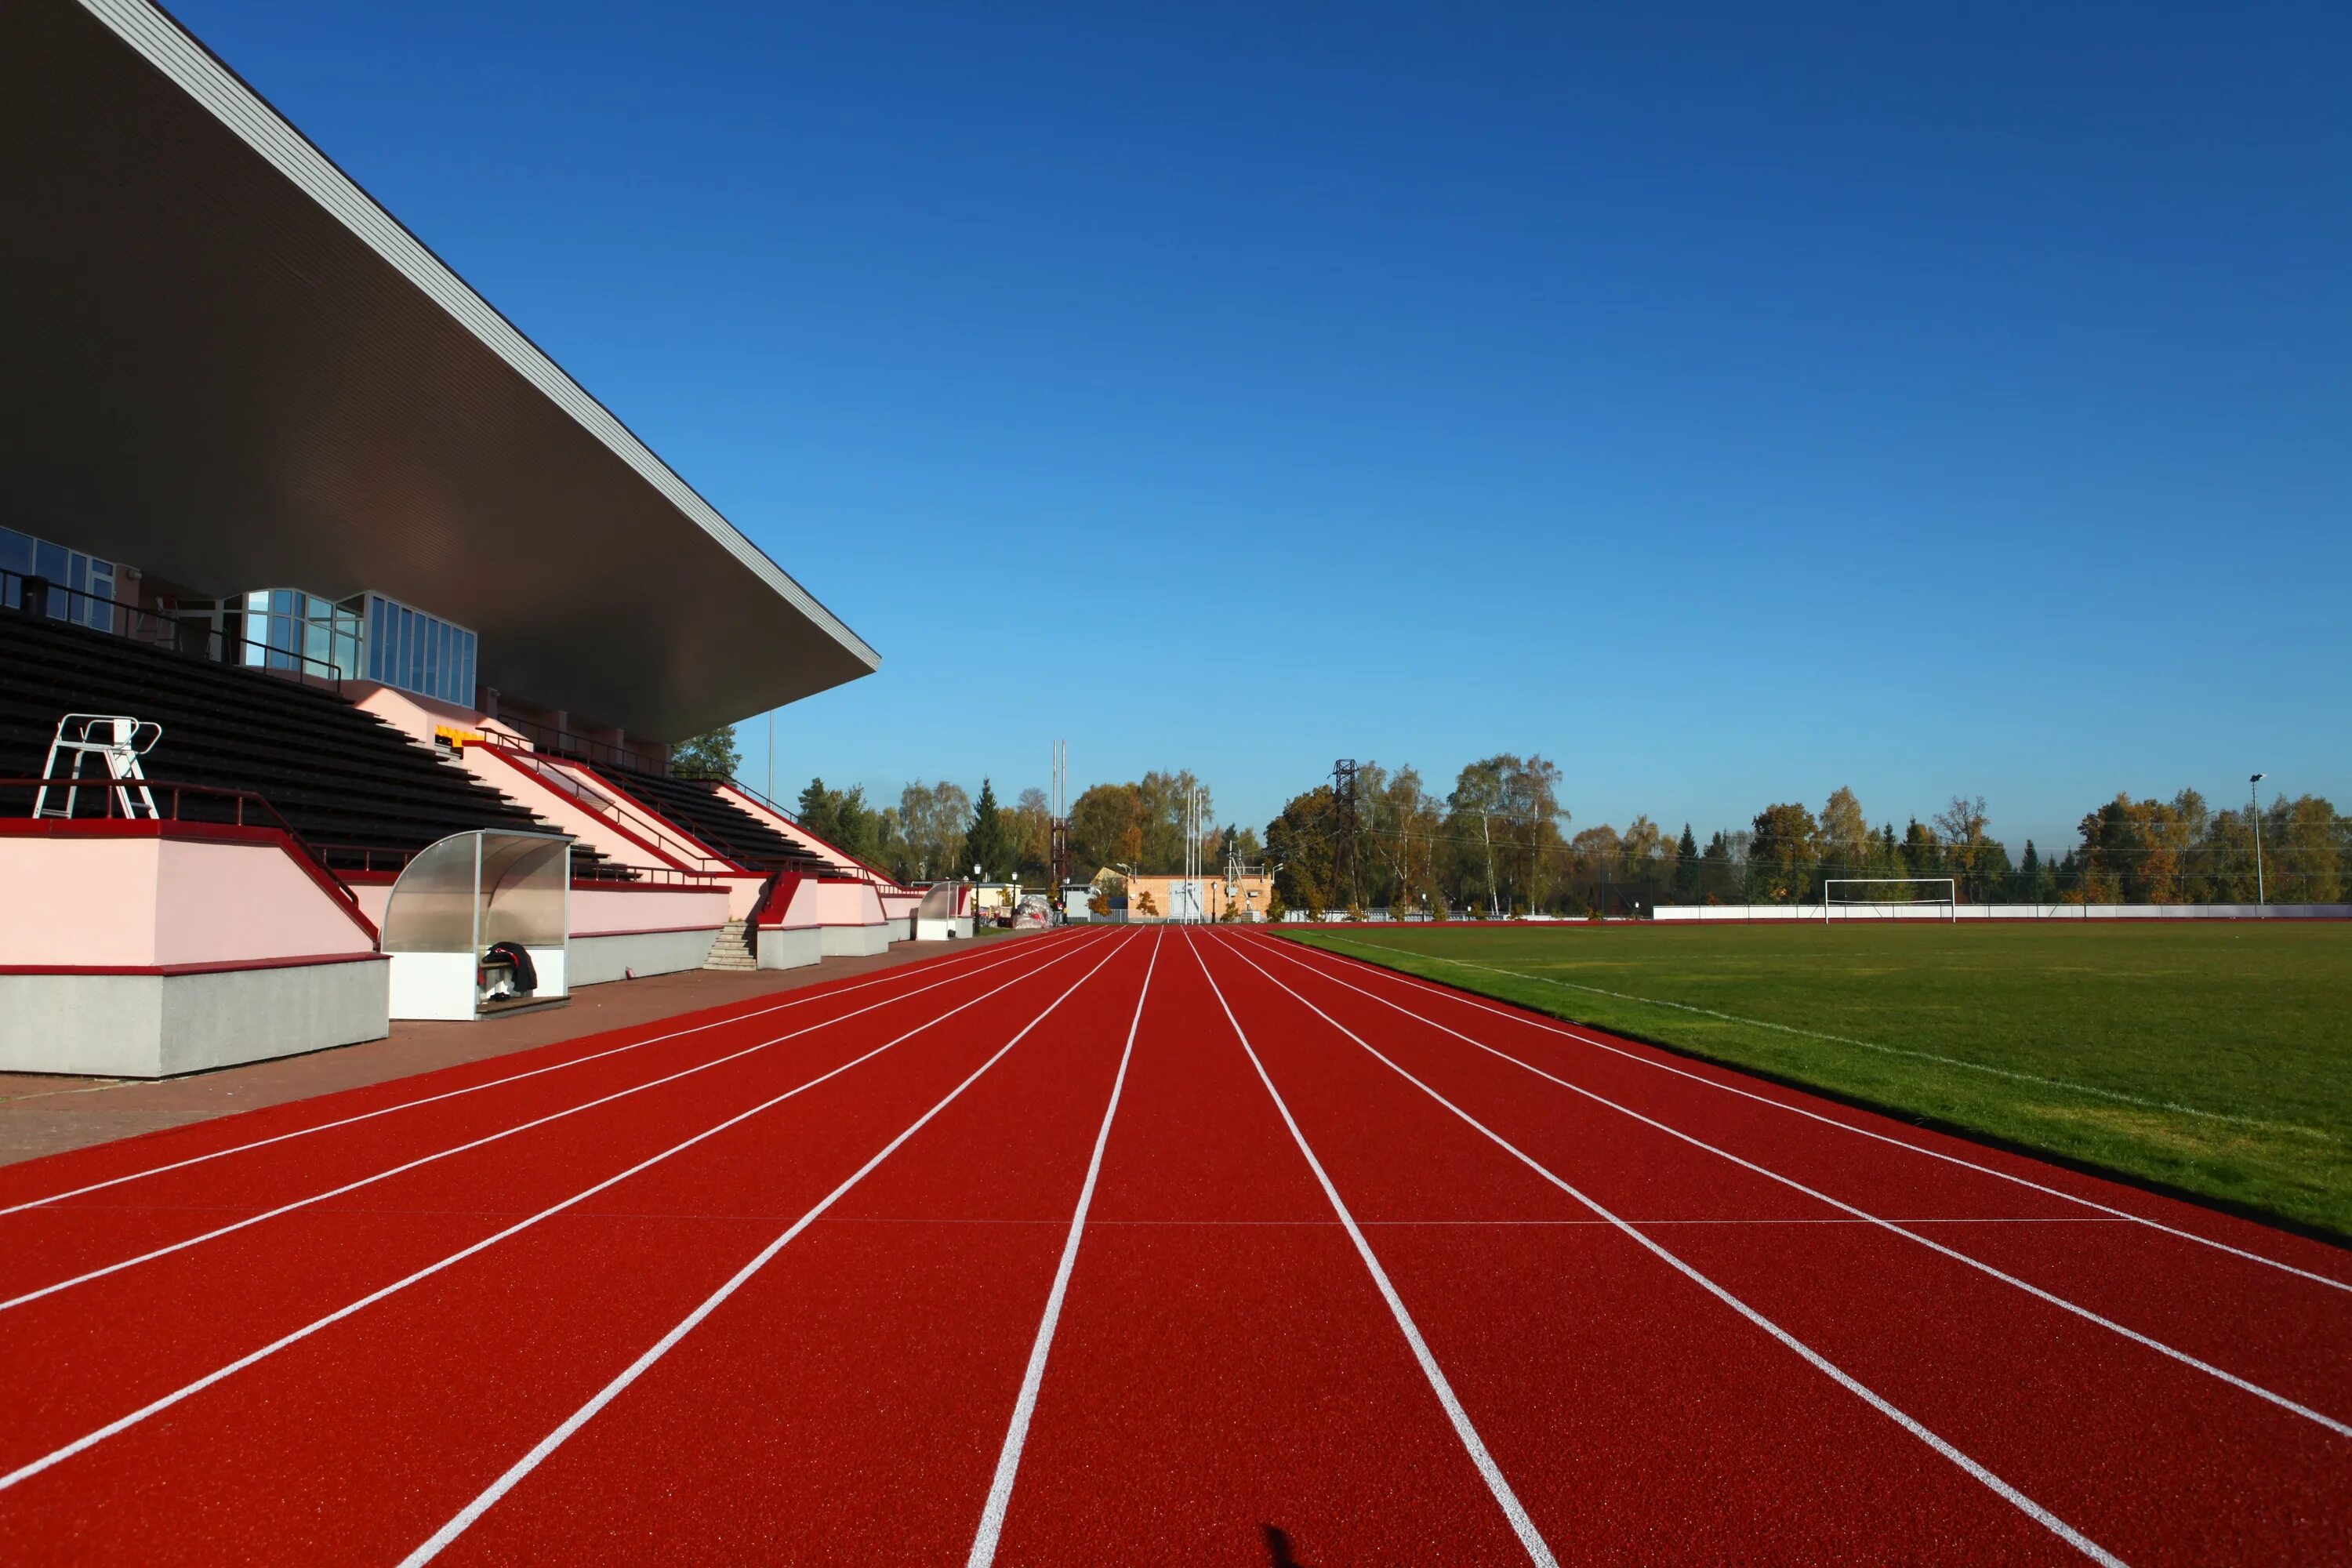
[(1686, 866), (985, 843)]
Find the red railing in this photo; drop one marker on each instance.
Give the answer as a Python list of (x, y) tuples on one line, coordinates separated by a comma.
[(171, 797), (553, 773)]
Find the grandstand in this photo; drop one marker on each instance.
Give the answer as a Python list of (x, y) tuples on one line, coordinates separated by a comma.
[(373, 575)]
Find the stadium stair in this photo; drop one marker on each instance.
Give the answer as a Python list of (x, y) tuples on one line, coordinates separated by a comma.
[(731, 949), (362, 793), (696, 806)]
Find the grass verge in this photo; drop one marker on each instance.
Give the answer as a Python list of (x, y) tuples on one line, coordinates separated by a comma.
[(2212, 1059)]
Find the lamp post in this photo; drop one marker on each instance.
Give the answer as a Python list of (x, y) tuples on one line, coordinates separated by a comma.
[(2255, 808)]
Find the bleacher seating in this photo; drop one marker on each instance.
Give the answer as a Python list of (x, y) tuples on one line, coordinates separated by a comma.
[(356, 788), (696, 806)]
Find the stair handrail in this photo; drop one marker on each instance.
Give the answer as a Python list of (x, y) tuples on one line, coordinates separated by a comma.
[(243, 799), (550, 772), (866, 866)]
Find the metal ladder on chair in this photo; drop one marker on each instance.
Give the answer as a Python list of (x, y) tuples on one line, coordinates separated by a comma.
[(115, 739)]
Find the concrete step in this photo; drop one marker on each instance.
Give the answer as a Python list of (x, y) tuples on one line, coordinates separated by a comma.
[(730, 948)]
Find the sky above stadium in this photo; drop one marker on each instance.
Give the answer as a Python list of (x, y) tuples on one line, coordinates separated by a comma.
[(1727, 405)]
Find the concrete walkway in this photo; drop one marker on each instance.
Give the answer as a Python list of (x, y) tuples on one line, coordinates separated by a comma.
[(42, 1114)]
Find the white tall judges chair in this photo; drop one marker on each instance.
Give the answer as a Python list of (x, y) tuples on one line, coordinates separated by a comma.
[(115, 737)]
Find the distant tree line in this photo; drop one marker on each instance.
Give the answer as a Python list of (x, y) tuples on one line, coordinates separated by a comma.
[(1499, 843)]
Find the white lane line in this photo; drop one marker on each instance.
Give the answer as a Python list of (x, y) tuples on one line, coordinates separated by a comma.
[(1538, 1552), (1017, 1434), (2086, 1314), (1821, 1364), (1547, 1026), (155, 1407), (827, 995), (463, 1519), (485, 1140)]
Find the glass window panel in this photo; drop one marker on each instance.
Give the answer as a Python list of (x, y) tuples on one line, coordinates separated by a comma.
[(52, 562), (15, 552), (98, 611), (78, 574), (448, 641)]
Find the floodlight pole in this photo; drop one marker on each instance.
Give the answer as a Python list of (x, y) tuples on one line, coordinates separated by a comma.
[(2254, 809)]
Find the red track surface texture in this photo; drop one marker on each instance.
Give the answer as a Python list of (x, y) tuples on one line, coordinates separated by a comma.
[(1143, 1246)]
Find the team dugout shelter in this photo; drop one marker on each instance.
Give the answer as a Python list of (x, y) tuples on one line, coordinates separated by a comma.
[(331, 605)]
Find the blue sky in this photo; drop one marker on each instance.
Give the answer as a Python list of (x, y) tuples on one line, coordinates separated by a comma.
[(1729, 404)]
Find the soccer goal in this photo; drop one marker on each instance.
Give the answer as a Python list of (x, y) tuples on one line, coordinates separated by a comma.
[(1891, 898)]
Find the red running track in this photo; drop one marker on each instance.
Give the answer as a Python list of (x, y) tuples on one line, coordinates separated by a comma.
[(1143, 1246)]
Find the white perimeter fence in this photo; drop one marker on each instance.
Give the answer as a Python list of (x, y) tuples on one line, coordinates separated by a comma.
[(1942, 911)]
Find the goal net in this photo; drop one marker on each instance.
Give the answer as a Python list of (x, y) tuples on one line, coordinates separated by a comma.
[(1890, 897)]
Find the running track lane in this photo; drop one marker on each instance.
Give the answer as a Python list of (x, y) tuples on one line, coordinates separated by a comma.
[(1225, 1376), (2285, 1328), (250, 1165), (128, 1337), (908, 1304), (330, 1445), (2152, 1459), (1210, 1381), (1639, 1418)]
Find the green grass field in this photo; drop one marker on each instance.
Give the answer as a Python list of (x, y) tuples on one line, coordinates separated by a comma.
[(2212, 1057)]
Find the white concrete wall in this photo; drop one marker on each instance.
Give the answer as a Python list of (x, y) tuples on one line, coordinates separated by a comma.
[(855, 942), (126, 899), (1758, 913), (598, 959), (153, 1026), (790, 947)]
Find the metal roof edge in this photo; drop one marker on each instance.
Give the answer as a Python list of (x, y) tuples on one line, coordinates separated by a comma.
[(172, 49)]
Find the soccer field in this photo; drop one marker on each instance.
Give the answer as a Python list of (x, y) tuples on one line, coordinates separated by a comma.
[(2215, 1058)]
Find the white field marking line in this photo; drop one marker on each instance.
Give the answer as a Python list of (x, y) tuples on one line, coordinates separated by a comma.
[(1821, 1364), (895, 974), (122, 1423), (1024, 1405), (488, 1138), (1551, 1028), (2037, 1292), (2116, 1095), (463, 1519), (1538, 1550)]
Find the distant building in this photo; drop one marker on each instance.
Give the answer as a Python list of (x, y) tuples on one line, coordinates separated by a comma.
[(1156, 896)]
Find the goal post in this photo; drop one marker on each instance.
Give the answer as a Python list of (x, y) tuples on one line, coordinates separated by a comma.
[(1888, 898)]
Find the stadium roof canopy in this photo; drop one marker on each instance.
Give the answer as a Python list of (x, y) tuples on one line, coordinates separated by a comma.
[(229, 367)]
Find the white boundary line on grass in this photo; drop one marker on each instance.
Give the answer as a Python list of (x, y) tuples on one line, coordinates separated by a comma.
[(1033, 1378), (1821, 1364), (1539, 1550), (815, 995), (1550, 1027), (2011, 1073), (488, 1497), (488, 1138), (2051, 1297), (157, 1406)]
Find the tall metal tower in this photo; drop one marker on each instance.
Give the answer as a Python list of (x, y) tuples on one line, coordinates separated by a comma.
[(1343, 848), (1057, 854)]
